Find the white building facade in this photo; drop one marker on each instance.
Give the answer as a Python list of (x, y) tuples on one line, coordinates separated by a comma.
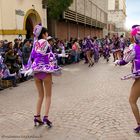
[(117, 14), (18, 17), (92, 13)]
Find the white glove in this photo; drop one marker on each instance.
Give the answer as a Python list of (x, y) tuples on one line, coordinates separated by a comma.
[(59, 55), (66, 55), (62, 55), (117, 62), (28, 72)]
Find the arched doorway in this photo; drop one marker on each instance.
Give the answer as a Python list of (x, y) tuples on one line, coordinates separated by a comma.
[(29, 28), (31, 19)]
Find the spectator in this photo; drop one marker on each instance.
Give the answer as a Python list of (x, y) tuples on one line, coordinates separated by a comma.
[(8, 76), (61, 50), (11, 59), (1, 48), (76, 51), (9, 46), (26, 51)]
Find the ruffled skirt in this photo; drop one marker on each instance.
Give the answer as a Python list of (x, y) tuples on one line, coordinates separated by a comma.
[(47, 68), (131, 76)]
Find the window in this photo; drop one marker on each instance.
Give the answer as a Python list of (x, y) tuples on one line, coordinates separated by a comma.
[(116, 4)]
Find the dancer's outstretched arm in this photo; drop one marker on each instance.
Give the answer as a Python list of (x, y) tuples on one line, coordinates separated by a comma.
[(129, 56)]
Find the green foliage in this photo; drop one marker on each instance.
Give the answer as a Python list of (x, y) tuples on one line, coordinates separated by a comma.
[(57, 7)]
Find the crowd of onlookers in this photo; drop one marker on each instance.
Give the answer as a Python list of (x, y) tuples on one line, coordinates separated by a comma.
[(14, 55), (12, 58)]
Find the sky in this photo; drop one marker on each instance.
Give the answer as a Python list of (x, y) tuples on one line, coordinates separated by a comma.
[(133, 13)]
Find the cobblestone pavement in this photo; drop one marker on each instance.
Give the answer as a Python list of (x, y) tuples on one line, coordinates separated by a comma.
[(87, 104)]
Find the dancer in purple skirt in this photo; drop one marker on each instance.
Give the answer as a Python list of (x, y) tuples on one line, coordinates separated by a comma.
[(89, 50), (133, 55), (43, 65), (106, 48)]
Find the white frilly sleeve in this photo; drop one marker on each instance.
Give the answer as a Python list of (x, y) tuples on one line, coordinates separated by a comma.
[(129, 54)]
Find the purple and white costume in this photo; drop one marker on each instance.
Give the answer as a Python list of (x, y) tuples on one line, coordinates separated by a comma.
[(88, 44), (42, 60), (106, 48), (122, 43), (96, 50), (132, 55)]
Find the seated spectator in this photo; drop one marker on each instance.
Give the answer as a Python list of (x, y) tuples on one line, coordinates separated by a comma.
[(9, 46), (26, 51), (11, 59), (4, 47), (1, 70), (16, 45), (59, 49), (18, 51), (8, 76), (1, 48)]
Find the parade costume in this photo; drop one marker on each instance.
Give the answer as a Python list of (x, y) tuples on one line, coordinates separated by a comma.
[(133, 55), (122, 43), (96, 51), (116, 48), (88, 45), (89, 48), (106, 49), (116, 45), (42, 63), (44, 60), (84, 50)]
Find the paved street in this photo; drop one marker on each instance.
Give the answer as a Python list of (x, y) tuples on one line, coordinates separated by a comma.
[(87, 104)]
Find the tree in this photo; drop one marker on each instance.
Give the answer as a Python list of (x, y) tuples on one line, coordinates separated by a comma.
[(56, 7)]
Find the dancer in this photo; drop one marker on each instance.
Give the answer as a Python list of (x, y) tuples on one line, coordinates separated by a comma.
[(89, 50), (122, 45), (117, 49), (84, 50), (106, 48), (43, 64), (96, 50), (133, 55)]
